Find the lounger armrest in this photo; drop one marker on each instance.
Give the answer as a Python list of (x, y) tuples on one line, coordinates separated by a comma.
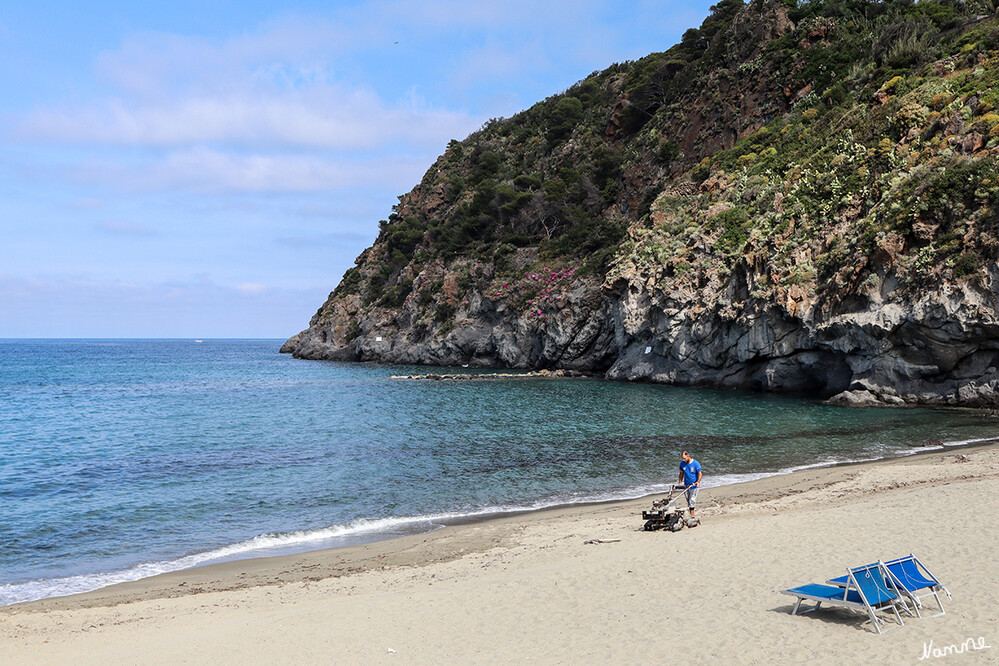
[(842, 581)]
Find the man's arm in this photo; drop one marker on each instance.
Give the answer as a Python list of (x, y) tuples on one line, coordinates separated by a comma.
[(699, 475)]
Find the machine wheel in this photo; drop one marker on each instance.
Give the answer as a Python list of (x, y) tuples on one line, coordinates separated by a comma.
[(650, 526)]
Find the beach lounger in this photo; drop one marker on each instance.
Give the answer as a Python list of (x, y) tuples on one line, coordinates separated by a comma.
[(868, 588), (910, 577), (913, 576)]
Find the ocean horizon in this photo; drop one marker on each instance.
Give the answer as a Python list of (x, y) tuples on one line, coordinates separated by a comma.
[(126, 457)]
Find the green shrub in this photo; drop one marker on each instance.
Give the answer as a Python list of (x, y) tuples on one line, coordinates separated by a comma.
[(990, 119), (486, 165), (454, 151), (967, 263), (835, 95), (395, 296), (891, 84), (563, 119), (350, 283), (402, 236), (444, 312), (526, 182), (910, 115), (733, 223), (353, 331), (941, 100), (701, 172), (667, 151), (376, 286)]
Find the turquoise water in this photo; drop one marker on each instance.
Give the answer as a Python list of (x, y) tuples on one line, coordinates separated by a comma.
[(122, 459)]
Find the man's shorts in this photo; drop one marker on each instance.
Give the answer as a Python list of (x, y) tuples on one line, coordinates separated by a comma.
[(691, 494)]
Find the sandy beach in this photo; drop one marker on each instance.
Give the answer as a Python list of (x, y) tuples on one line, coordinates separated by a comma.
[(529, 589)]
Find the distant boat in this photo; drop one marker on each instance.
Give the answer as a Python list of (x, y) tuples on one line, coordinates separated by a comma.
[(198, 340)]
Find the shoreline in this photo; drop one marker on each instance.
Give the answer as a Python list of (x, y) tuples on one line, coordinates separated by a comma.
[(583, 584), (423, 548)]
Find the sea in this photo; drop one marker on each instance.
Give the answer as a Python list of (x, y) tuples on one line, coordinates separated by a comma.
[(122, 459)]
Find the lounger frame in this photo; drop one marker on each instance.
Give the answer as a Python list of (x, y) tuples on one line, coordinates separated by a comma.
[(911, 591), (865, 605)]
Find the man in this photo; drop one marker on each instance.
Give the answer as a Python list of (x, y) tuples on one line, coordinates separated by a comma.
[(690, 477)]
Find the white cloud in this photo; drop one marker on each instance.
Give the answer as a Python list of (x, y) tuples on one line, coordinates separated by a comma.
[(251, 288), (259, 112), (287, 50), (201, 169), (291, 104), (324, 116), (290, 82)]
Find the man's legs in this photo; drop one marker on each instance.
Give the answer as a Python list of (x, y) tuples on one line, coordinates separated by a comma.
[(691, 495)]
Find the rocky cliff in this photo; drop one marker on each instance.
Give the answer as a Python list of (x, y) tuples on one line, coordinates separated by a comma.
[(794, 198)]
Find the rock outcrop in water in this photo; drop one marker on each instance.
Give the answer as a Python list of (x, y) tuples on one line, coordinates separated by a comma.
[(801, 200)]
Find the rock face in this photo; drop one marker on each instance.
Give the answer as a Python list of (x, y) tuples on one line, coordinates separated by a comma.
[(941, 350), (730, 213), (487, 332)]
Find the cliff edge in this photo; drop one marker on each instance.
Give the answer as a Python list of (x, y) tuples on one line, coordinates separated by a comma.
[(800, 199)]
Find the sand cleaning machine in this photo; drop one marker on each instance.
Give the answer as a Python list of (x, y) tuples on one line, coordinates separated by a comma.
[(667, 515)]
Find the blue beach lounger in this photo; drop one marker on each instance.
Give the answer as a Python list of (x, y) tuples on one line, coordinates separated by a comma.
[(910, 576), (867, 588)]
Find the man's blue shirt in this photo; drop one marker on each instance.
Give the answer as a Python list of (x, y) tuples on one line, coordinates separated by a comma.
[(690, 471)]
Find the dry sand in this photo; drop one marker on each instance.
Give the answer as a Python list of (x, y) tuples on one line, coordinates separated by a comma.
[(528, 589)]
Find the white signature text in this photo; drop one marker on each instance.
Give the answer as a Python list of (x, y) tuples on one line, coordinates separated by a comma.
[(930, 651)]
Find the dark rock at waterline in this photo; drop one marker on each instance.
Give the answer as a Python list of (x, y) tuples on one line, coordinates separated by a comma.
[(433, 376), (940, 350)]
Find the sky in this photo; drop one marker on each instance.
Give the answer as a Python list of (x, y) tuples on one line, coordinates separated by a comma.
[(192, 169)]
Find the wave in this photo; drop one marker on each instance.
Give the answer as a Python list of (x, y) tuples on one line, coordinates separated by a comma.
[(968, 442), (367, 530)]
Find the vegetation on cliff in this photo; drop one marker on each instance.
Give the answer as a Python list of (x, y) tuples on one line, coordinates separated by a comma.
[(836, 152)]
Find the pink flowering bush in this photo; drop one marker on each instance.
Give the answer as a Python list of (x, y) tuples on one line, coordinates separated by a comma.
[(539, 293)]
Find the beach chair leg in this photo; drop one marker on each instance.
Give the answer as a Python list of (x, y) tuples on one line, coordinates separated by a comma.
[(897, 616), (905, 599), (939, 605), (875, 619), (797, 607), (812, 609)]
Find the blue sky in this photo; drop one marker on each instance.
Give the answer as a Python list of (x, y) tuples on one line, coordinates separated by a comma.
[(191, 169)]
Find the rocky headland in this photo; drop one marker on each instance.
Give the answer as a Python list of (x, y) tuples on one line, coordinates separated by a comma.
[(798, 199)]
